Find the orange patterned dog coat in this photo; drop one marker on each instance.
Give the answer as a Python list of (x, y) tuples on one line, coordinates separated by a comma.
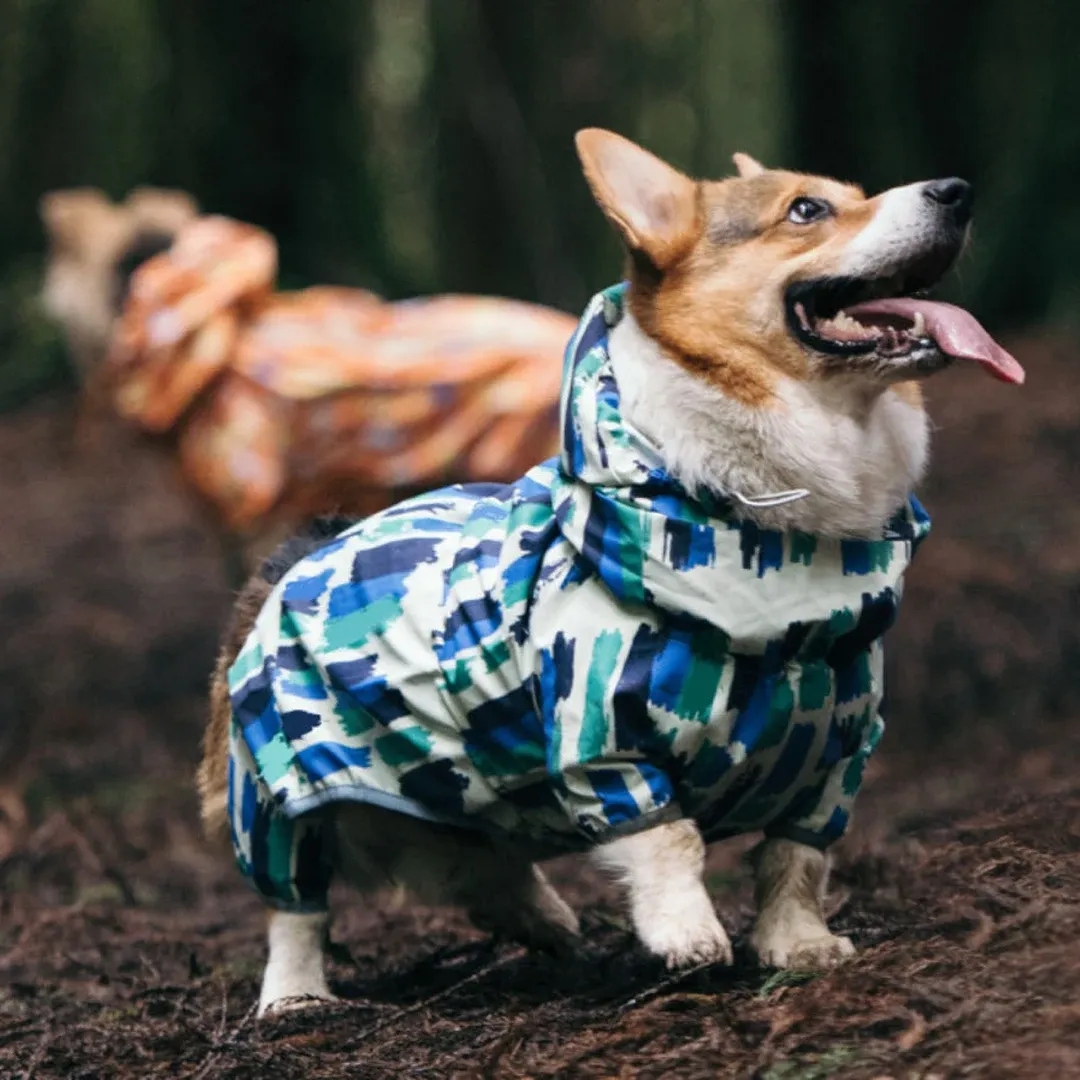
[(290, 404)]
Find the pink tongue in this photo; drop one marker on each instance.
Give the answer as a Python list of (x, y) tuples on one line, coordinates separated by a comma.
[(956, 331)]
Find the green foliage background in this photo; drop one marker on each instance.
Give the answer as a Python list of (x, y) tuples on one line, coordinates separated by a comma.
[(423, 145)]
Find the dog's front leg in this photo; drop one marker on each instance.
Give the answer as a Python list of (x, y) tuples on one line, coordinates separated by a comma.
[(294, 976), (790, 931), (672, 912)]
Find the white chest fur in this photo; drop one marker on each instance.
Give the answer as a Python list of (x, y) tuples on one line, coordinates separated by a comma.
[(857, 447)]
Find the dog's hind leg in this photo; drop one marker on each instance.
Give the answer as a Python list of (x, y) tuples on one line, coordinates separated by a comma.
[(294, 977), (790, 931), (672, 912), (502, 890), (512, 898)]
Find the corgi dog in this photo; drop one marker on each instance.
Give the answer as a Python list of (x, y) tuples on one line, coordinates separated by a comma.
[(669, 634)]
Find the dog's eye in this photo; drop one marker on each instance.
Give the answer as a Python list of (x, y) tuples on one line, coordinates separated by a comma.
[(804, 210)]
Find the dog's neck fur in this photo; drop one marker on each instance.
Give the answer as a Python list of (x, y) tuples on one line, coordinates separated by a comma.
[(858, 449)]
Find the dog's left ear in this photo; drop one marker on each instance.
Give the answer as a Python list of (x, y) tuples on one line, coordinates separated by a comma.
[(652, 205), (161, 209), (747, 166)]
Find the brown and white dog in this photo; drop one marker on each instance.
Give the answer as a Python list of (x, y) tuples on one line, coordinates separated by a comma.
[(773, 342)]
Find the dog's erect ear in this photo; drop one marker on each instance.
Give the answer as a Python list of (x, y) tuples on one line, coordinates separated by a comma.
[(652, 205), (161, 209), (64, 213), (747, 165)]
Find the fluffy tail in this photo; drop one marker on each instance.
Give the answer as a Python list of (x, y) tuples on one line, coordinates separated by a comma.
[(212, 777)]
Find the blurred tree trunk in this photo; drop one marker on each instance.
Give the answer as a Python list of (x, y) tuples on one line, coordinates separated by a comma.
[(510, 86), (13, 47), (496, 217), (742, 83), (1027, 164), (278, 139), (392, 82)]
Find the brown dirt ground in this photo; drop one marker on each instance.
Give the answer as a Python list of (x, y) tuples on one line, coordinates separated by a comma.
[(128, 949)]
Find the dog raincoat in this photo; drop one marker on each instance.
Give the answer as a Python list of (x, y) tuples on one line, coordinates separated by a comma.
[(580, 654), (295, 401)]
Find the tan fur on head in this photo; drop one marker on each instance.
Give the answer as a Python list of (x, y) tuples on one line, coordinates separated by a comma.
[(651, 204), (81, 220), (160, 209), (723, 252), (746, 166), (88, 235), (707, 362)]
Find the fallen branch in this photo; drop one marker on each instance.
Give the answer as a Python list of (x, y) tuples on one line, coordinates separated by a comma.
[(427, 1003), (660, 987), (223, 1043), (40, 1051)]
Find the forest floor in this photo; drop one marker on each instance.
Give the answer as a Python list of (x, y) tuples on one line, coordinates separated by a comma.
[(128, 948)]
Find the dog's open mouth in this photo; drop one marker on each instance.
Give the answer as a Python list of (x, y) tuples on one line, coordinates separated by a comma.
[(885, 317)]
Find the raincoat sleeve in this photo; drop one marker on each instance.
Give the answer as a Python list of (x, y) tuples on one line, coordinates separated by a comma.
[(285, 860)]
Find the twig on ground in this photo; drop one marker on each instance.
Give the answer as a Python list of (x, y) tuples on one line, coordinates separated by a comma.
[(20, 1029), (220, 1043), (660, 987), (427, 1003), (40, 1051)]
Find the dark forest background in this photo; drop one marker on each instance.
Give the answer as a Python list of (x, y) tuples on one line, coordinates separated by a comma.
[(414, 146)]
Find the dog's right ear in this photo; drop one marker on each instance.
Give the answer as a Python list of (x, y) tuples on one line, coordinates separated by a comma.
[(653, 206), (63, 213)]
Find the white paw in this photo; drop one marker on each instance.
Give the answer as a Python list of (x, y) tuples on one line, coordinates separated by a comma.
[(805, 952), (686, 937), (294, 977), (294, 1003)]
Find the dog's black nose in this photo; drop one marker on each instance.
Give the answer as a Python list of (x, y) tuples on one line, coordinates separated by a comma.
[(955, 196)]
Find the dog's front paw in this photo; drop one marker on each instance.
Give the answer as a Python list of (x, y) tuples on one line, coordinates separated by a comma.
[(294, 1003), (686, 936), (804, 952)]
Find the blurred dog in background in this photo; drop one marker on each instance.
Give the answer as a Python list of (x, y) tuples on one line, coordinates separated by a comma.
[(277, 406)]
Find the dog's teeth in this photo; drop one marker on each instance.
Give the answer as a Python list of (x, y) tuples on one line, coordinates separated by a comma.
[(918, 327), (843, 321), (800, 311)]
